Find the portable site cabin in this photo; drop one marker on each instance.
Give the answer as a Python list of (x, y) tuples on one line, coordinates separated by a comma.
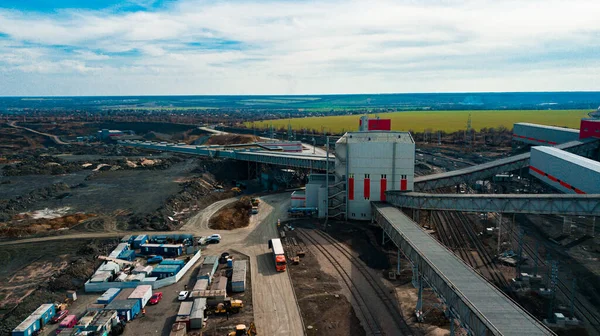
[(201, 284), (147, 270), (169, 250), (142, 293), (122, 247), (34, 322), (127, 309), (108, 296), (109, 266), (185, 308), (139, 241), (165, 271)]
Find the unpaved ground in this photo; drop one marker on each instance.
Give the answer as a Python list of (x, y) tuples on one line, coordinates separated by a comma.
[(233, 216), (32, 274), (202, 218)]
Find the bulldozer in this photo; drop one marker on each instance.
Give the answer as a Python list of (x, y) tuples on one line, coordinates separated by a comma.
[(241, 330), (227, 306)]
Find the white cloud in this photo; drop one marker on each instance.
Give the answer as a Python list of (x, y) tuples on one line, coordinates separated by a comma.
[(204, 47)]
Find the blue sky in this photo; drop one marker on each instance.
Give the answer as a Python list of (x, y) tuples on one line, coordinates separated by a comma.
[(110, 47)]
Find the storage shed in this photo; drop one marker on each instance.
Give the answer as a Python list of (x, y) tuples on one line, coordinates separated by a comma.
[(197, 314), (238, 276), (108, 296), (118, 250), (143, 269), (139, 241), (127, 309), (142, 293)]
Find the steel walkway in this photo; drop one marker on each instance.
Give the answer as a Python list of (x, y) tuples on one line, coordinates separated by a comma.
[(585, 147), (544, 204), (298, 160), (480, 307)]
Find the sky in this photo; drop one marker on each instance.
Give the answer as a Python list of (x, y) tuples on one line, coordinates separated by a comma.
[(178, 47)]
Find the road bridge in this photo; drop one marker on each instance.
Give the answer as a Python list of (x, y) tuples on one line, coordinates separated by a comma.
[(544, 204), (296, 160), (476, 304), (585, 147)]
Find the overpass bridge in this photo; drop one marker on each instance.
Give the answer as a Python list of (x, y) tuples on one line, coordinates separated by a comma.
[(478, 306), (258, 154), (584, 147)]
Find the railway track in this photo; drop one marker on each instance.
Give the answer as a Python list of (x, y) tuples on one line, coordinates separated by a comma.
[(380, 289), (587, 314), (372, 325)]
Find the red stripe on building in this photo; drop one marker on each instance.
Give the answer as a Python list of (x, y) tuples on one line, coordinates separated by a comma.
[(554, 179), (367, 191), (299, 198), (383, 188), (552, 142), (351, 189), (403, 184)]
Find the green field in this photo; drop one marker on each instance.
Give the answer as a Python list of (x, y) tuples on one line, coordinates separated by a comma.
[(447, 121)]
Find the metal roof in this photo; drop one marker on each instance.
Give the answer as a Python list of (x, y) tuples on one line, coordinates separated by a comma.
[(376, 136), (502, 315), (121, 304), (576, 159), (549, 127)]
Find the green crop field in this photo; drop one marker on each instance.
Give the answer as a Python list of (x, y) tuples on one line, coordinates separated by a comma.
[(447, 121)]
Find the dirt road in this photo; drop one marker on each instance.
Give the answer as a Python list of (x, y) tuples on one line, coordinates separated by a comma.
[(51, 136), (200, 220)]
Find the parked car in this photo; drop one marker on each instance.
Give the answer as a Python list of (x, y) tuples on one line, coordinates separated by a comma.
[(156, 297), (61, 314), (183, 295), (213, 239)]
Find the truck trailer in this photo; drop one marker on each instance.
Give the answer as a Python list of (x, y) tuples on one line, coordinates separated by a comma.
[(278, 254)]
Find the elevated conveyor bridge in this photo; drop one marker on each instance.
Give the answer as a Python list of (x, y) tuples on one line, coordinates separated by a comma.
[(477, 305), (584, 147)]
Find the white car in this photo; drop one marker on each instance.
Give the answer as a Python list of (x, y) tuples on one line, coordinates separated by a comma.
[(213, 239), (183, 295)]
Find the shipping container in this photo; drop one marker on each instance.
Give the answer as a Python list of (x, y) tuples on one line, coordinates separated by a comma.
[(564, 171), (142, 293), (201, 284), (103, 322), (543, 135), (85, 321), (121, 277), (213, 297), (102, 276), (124, 294), (128, 239), (128, 255), (109, 266), (108, 296), (185, 308), (238, 276), (127, 309), (197, 314), (589, 128), (210, 260), (298, 199), (139, 241), (178, 329)]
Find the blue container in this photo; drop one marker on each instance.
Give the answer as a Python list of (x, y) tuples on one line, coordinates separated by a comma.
[(127, 255), (172, 262), (165, 271), (127, 309), (39, 318), (140, 240), (108, 296), (161, 239), (229, 262), (167, 250)]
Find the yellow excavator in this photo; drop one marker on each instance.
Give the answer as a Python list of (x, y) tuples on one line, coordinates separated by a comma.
[(241, 330), (227, 306)]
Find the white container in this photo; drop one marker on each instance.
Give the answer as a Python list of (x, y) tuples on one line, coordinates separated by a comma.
[(142, 293)]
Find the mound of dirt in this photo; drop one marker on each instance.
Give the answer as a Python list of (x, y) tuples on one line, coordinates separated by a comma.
[(234, 216), (231, 139)]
